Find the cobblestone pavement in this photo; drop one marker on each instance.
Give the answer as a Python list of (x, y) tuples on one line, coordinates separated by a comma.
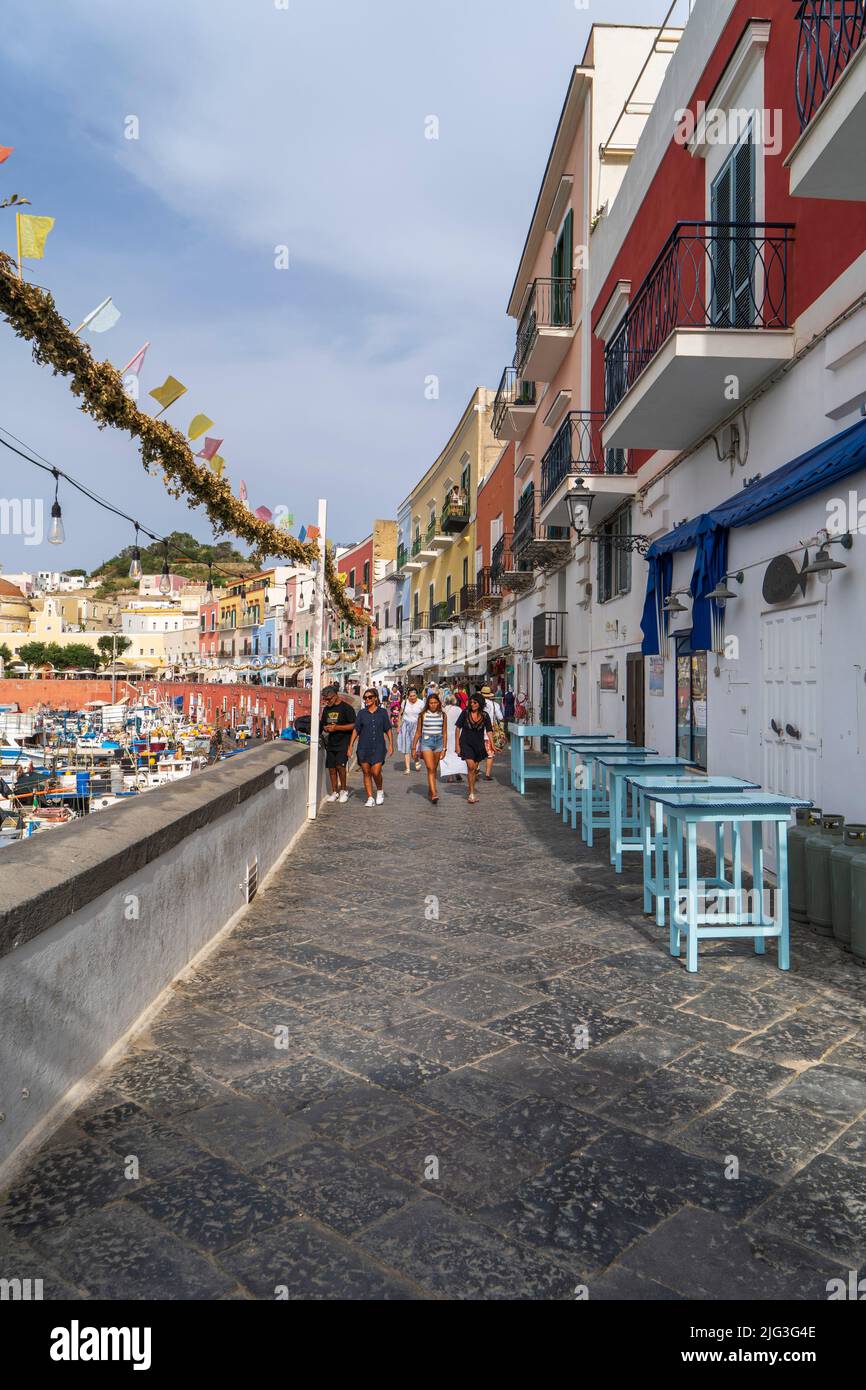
[(355, 1097)]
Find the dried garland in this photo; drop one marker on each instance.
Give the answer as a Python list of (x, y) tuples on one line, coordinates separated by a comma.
[(33, 315)]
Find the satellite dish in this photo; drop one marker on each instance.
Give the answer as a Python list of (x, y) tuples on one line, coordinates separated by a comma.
[(782, 579)]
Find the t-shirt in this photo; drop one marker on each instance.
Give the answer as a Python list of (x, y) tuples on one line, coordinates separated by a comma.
[(338, 714), (431, 725), (411, 711)]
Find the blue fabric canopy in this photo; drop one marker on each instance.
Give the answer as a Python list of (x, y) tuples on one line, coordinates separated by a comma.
[(811, 472)]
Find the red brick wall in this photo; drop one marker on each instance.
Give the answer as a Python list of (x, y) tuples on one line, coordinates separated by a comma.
[(258, 700)]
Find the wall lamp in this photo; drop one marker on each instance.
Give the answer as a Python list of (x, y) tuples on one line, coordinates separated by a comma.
[(823, 564)]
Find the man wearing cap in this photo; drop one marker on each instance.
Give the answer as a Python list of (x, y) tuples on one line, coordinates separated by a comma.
[(336, 727), (494, 709)]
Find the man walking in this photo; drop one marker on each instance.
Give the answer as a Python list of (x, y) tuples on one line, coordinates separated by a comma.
[(336, 727)]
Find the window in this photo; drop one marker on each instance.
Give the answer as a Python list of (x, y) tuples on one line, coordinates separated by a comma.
[(351, 579), (202, 624), (465, 477), (415, 603), (430, 592), (734, 253), (399, 620), (448, 586), (367, 576), (465, 569), (561, 272), (387, 617), (691, 712), (495, 530), (614, 561)]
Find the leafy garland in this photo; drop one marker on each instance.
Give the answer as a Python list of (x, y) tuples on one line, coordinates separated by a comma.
[(33, 315)]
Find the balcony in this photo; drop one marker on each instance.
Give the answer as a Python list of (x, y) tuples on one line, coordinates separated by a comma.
[(713, 307), (548, 638), (830, 87), (546, 329), (414, 562), (402, 556), (514, 406), (420, 622), (468, 599), (507, 571), (577, 451), (440, 616), (455, 515)]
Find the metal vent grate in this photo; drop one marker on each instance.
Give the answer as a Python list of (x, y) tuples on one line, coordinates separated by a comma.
[(251, 883)]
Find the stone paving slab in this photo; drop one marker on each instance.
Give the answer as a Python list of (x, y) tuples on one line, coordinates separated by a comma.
[(444, 1055)]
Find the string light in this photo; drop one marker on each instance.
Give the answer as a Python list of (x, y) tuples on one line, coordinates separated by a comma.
[(165, 577), (135, 562), (56, 533)]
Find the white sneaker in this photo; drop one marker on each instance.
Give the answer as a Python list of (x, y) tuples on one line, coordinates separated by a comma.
[(380, 797), (369, 801), (344, 796), (332, 796)]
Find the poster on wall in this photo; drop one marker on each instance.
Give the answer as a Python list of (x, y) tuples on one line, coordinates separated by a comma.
[(609, 677), (656, 675)]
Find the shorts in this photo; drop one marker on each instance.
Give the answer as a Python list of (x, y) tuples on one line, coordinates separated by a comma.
[(432, 743), (336, 754)]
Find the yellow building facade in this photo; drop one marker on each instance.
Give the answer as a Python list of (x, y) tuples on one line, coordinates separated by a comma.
[(443, 504)]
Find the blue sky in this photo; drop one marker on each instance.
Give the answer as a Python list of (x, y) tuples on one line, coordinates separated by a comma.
[(263, 126)]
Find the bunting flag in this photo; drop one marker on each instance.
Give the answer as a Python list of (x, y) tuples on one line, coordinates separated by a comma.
[(312, 533), (170, 391), (5, 151), (242, 491), (32, 235), (217, 464), (263, 513), (100, 319), (135, 364), (198, 425), (210, 449), (302, 534)]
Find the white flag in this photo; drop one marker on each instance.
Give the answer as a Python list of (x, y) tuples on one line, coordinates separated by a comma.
[(103, 317)]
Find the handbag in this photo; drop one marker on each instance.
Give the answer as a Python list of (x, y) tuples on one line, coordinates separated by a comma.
[(498, 736)]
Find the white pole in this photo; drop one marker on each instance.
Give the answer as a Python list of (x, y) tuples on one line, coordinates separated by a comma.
[(318, 641)]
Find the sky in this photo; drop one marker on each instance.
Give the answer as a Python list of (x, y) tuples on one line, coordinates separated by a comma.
[(264, 124)]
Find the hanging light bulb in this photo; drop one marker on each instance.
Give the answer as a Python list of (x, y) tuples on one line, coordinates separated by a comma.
[(135, 562), (56, 533), (209, 586), (165, 577)]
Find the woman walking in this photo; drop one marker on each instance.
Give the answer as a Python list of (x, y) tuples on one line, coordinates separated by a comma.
[(452, 767), (473, 732), (431, 737), (372, 730), (407, 725)]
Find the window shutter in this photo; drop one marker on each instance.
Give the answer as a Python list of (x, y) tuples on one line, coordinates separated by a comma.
[(720, 251), (743, 192)]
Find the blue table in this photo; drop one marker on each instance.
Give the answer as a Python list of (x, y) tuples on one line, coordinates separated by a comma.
[(554, 747), (520, 734), (571, 754), (685, 812), (614, 772), (656, 884), (595, 811)]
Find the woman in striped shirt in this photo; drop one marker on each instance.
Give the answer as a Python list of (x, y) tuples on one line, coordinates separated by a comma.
[(431, 736)]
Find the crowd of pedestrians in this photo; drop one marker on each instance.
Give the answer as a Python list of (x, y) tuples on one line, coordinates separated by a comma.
[(447, 731)]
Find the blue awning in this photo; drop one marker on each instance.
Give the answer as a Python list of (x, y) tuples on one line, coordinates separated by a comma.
[(811, 472)]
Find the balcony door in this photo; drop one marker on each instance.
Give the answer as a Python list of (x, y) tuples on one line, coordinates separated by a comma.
[(733, 249), (560, 274)]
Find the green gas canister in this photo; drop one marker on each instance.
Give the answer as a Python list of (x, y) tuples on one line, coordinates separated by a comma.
[(853, 843), (819, 847)]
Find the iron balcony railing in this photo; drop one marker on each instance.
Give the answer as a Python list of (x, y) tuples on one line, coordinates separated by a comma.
[(831, 32), (548, 637), (524, 518), (431, 529), (512, 391), (402, 556), (416, 546), (419, 622), (576, 448), (505, 560), (468, 597), (550, 305), (487, 586), (455, 514), (707, 275), (440, 614)]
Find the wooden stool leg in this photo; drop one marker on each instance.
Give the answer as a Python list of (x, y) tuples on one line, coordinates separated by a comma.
[(674, 882)]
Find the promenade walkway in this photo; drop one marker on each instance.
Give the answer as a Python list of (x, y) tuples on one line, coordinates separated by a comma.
[(444, 1055)]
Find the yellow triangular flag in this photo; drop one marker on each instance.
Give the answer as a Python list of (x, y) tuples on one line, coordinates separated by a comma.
[(198, 425), (32, 235), (170, 391), (218, 463)]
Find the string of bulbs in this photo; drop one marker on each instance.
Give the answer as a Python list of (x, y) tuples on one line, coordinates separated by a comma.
[(57, 533)]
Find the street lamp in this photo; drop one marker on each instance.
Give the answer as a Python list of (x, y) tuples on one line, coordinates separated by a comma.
[(823, 564), (579, 502), (721, 593)]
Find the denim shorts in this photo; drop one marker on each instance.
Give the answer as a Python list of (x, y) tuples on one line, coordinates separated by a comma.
[(432, 743)]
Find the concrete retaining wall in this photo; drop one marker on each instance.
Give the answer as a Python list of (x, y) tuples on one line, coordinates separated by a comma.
[(97, 919)]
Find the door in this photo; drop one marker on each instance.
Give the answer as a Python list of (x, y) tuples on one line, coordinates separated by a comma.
[(733, 251), (560, 274), (790, 644), (548, 699), (634, 705)]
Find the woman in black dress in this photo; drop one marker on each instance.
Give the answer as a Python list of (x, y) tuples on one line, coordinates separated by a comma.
[(473, 739), (372, 729)]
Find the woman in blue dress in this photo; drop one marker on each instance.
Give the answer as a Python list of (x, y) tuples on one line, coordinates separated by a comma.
[(372, 732)]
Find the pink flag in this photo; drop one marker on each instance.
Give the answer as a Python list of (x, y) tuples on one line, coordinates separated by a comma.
[(242, 490), (135, 365), (211, 447), (263, 513)]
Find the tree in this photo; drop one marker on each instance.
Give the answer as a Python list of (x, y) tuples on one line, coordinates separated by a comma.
[(105, 643), (33, 654), (5, 654)]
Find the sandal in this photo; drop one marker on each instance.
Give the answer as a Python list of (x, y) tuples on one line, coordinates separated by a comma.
[(472, 799)]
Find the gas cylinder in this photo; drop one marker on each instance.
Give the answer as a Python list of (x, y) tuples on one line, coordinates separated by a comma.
[(858, 908), (819, 847), (808, 820), (853, 843)]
